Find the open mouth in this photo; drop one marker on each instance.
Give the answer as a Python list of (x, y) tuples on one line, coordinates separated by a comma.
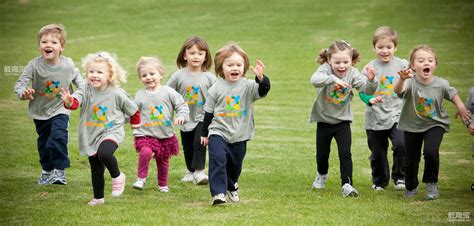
[(48, 51), (426, 70), (234, 74)]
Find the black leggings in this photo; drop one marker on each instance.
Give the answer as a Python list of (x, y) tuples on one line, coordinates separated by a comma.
[(103, 159), (194, 152)]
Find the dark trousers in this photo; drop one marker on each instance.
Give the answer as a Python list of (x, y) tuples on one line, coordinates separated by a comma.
[(378, 145), (52, 141), (194, 152), (431, 141), (342, 133), (103, 159), (225, 164)]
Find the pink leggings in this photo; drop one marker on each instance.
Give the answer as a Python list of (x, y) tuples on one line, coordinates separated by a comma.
[(161, 150)]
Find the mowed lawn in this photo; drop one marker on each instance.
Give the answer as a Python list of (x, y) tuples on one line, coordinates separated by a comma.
[(280, 164)]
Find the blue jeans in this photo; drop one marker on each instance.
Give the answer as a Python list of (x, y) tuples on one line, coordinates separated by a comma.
[(225, 164), (52, 141)]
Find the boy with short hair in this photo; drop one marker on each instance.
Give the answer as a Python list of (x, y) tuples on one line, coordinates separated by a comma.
[(49, 73)]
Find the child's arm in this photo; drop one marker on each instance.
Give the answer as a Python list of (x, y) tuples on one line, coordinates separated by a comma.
[(21, 86), (135, 120), (180, 107), (262, 80), (78, 81), (70, 102), (324, 77), (370, 100), (399, 85), (465, 114)]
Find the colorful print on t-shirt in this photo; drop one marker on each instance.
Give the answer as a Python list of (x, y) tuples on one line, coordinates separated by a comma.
[(423, 107), (339, 95), (386, 86), (191, 97), (157, 117), (51, 89), (232, 107), (99, 117)]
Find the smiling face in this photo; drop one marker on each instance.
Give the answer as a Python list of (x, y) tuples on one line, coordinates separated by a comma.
[(195, 58), (385, 49), (233, 67), (50, 48), (424, 63), (98, 75), (340, 62), (150, 77)]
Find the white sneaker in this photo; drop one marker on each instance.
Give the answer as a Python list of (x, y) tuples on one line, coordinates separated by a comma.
[(348, 190), (399, 185), (188, 177), (218, 199), (164, 189), (233, 196), (140, 183), (377, 188), (118, 185), (320, 181), (200, 177)]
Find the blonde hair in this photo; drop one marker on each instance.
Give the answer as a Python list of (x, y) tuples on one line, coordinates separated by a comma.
[(201, 45), (117, 73), (338, 46), (421, 47), (224, 53), (385, 32), (150, 61), (57, 29)]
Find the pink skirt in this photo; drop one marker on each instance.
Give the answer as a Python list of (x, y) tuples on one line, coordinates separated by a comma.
[(162, 147)]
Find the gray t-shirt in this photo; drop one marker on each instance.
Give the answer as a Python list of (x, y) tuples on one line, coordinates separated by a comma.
[(102, 116), (47, 81), (194, 89), (383, 116), (333, 104), (423, 108), (232, 106), (156, 112)]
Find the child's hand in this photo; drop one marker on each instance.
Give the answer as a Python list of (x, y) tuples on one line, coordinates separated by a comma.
[(258, 69), (135, 126), (465, 115), (405, 73), (204, 141), (370, 73), (471, 129), (66, 97), (341, 84), (377, 99), (28, 94), (179, 120)]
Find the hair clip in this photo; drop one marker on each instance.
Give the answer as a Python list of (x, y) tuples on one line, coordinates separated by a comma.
[(347, 43)]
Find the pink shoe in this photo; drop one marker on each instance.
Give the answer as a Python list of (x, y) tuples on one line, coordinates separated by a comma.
[(95, 202), (118, 185)]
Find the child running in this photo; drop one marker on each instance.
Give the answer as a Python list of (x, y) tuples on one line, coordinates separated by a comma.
[(49, 73), (104, 107), (228, 121), (193, 81), (335, 79), (155, 137), (424, 119)]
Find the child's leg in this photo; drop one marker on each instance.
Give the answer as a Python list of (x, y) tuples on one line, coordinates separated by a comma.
[(432, 141), (235, 158), (413, 143), (144, 156), (398, 148), (97, 175), (344, 141), (218, 149), (167, 147), (43, 129), (324, 135), (378, 145), (105, 153), (187, 141), (57, 141), (162, 164), (199, 153)]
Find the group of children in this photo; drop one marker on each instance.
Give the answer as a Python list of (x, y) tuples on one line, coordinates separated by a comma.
[(404, 105), (218, 113), (194, 99)]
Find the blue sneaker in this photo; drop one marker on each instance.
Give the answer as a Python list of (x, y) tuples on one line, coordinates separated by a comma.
[(58, 177), (44, 177), (432, 192)]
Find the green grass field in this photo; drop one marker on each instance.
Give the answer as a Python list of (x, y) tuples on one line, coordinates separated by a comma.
[(280, 163)]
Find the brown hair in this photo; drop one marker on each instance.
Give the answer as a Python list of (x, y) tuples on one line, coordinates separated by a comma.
[(421, 47), (201, 45), (385, 32), (151, 61), (56, 29), (335, 47), (224, 53)]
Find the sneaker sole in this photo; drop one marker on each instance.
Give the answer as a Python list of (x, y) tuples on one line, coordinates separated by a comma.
[(202, 182), (138, 188), (218, 202), (58, 182)]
